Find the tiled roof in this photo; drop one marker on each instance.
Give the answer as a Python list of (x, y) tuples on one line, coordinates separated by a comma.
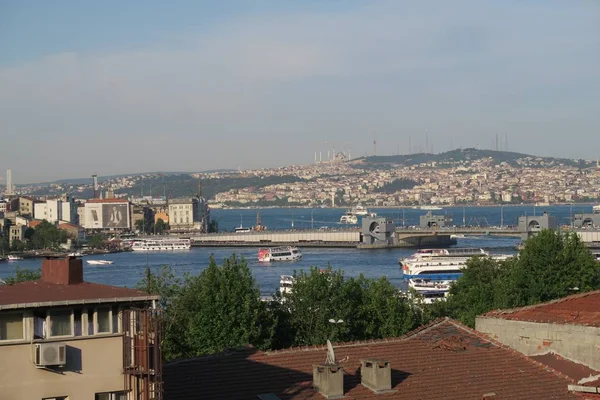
[(578, 309), (39, 293), (582, 374), (444, 360)]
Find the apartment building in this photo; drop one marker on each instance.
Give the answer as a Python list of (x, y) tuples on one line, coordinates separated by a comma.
[(64, 338)]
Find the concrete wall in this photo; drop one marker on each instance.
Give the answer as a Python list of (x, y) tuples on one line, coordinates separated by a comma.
[(94, 365), (576, 342)]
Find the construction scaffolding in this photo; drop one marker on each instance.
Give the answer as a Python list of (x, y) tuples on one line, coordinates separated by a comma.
[(142, 359)]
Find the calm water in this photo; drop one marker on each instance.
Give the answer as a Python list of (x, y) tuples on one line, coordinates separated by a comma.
[(128, 268)]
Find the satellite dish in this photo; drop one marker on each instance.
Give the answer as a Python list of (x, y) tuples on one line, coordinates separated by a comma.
[(330, 354)]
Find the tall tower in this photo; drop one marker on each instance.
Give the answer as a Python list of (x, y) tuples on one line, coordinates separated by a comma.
[(374, 145), (9, 184), (95, 183)]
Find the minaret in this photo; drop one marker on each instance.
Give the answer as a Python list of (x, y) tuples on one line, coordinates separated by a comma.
[(9, 184), (95, 182)]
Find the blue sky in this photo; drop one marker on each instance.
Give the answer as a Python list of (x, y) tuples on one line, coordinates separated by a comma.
[(132, 86)]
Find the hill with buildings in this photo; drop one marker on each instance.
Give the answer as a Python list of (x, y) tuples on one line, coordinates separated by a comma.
[(467, 156)]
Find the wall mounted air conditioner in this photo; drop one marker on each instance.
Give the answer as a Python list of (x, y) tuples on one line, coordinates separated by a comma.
[(50, 354)]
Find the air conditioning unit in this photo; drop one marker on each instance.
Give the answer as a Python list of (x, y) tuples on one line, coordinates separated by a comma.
[(50, 354)]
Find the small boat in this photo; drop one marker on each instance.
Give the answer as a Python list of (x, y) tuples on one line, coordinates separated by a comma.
[(14, 258), (359, 210), (286, 253), (596, 209), (430, 208), (76, 254), (99, 262), (161, 245), (349, 218), (285, 284)]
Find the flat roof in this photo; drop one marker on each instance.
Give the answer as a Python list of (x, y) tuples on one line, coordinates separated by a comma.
[(34, 294)]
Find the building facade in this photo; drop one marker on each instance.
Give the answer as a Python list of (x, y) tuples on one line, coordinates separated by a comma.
[(70, 339), (188, 213), (107, 214)]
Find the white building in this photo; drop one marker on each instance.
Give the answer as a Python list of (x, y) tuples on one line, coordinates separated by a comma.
[(63, 209)]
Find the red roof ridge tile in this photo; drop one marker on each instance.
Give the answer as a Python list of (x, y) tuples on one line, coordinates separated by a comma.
[(357, 343), (499, 312)]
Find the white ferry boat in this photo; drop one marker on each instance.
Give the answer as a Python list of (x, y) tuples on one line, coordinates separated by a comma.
[(99, 262), (286, 253), (161, 245), (430, 272), (359, 210), (596, 209), (285, 284), (349, 218), (430, 208)]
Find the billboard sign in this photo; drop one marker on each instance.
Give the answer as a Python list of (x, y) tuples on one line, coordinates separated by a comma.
[(115, 215), (93, 216)]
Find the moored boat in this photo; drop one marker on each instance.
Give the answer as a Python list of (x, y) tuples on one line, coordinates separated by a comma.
[(285, 284), (12, 257), (430, 272), (359, 210), (349, 218), (285, 253), (161, 245), (99, 262)]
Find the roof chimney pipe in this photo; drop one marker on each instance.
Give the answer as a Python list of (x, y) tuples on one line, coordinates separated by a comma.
[(328, 379), (376, 375)]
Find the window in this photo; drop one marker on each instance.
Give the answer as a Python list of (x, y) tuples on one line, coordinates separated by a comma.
[(110, 396), (60, 323), (11, 326), (103, 320)]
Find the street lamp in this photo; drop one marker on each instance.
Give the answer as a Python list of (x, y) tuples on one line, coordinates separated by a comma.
[(335, 324)]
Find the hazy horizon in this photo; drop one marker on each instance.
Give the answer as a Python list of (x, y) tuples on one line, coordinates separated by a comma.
[(114, 87)]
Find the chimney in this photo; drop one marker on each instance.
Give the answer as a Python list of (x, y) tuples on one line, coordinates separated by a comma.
[(328, 379), (63, 271), (376, 375)]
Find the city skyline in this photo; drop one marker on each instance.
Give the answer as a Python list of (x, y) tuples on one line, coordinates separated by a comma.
[(189, 86)]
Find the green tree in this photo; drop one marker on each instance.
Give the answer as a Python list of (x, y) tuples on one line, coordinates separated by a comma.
[(369, 308), (96, 241), (219, 308), (23, 275), (213, 226), (48, 236), (28, 234), (160, 226), (551, 265)]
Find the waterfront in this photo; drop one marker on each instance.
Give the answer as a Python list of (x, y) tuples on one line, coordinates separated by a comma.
[(128, 267), (307, 218)]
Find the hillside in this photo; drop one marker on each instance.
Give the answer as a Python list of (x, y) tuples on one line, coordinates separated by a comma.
[(465, 156)]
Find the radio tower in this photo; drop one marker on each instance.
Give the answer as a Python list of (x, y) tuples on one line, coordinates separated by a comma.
[(374, 145)]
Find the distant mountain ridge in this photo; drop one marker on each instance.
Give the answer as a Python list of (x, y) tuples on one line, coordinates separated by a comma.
[(469, 154), (84, 181)]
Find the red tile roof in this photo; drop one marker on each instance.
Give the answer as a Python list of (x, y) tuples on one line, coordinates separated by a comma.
[(444, 360), (578, 309), (581, 373), (39, 293)]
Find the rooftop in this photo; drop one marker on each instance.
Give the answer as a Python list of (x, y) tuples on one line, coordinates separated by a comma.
[(578, 309), (62, 284), (442, 360), (113, 200)]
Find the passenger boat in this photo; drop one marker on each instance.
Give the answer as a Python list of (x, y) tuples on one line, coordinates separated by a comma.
[(99, 262), (349, 218), (14, 258), (430, 272), (285, 284), (286, 253), (359, 210), (596, 209), (161, 245)]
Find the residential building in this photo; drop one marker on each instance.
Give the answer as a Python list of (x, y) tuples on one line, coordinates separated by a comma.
[(3, 207), (16, 233), (442, 360), (64, 338), (189, 213)]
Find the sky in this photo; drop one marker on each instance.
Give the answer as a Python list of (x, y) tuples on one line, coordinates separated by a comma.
[(118, 87)]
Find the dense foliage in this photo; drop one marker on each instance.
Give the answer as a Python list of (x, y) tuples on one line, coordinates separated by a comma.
[(221, 308), (47, 236), (23, 275), (551, 265), (397, 185)]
